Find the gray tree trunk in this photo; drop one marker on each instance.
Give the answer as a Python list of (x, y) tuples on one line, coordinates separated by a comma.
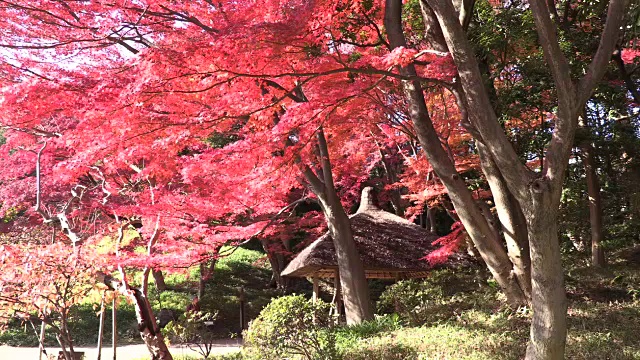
[(147, 325), (158, 279), (549, 323), (595, 206), (355, 288), (537, 193), (484, 238), (512, 221)]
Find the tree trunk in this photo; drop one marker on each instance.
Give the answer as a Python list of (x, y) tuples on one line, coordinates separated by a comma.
[(352, 276), (158, 278), (537, 194), (549, 324), (392, 178), (487, 243), (202, 281), (147, 325), (355, 289), (595, 206), (431, 215), (276, 260), (512, 221)]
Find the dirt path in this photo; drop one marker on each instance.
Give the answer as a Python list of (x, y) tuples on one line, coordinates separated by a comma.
[(125, 352)]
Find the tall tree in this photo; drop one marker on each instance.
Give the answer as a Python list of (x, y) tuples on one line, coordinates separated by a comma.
[(537, 193)]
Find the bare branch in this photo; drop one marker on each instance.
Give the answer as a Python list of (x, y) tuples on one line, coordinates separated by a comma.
[(38, 206), (615, 19)]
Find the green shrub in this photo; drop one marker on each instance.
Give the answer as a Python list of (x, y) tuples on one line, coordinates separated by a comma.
[(192, 329), (293, 326), (382, 352), (441, 296)]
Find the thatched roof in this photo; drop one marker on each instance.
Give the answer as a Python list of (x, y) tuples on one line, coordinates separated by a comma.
[(390, 247)]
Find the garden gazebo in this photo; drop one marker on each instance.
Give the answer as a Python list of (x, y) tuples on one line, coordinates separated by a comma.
[(390, 247)]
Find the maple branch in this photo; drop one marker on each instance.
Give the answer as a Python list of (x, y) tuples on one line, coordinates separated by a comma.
[(366, 71), (615, 19), (191, 19), (289, 93), (317, 186), (38, 206), (33, 131), (271, 221), (103, 184), (324, 159), (558, 63), (152, 241), (480, 110)]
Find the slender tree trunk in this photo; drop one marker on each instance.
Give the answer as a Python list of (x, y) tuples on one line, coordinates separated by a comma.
[(595, 206), (352, 276), (355, 289), (147, 324), (549, 324), (431, 215), (41, 340), (392, 178), (276, 261), (149, 330), (487, 243), (158, 278), (512, 220), (508, 209), (202, 281), (101, 328)]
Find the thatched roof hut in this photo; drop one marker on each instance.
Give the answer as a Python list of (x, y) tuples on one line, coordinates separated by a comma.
[(390, 247)]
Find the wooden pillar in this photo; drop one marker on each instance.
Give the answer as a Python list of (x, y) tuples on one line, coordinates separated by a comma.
[(315, 288), (338, 293), (114, 327)]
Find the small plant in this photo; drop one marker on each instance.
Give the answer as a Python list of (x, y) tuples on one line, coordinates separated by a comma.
[(293, 326), (192, 329)]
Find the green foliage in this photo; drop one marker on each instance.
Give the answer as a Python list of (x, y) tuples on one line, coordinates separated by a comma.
[(241, 269), (83, 326), (434, 299), (192, 329), (293, 325), (349, 337)]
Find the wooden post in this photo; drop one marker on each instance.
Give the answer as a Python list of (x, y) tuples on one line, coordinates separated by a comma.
[(101, 328), (242, 300), (315, 289), (338, 294), (42, 327), (114, 327)]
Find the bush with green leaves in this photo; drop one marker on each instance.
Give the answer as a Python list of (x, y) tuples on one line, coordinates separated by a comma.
[(293, 327), (439, 297), (192, 329)]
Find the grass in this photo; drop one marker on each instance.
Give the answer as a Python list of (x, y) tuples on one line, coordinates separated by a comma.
[(466, 319), (603, 320)]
